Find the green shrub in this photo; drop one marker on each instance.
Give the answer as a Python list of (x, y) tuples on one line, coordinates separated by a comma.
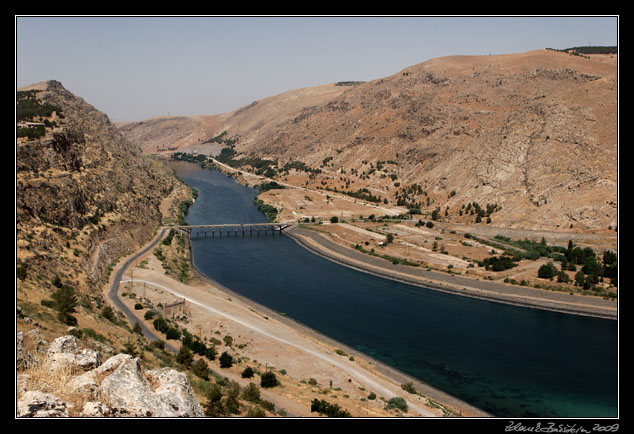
[(397, 402), (247, 373), (547, 271), (185, 356), (268, 380), (331, 410), (226, 361), (200, 369), (251, 393)]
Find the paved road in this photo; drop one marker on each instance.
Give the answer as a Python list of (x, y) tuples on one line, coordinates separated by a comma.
[(114, 297)]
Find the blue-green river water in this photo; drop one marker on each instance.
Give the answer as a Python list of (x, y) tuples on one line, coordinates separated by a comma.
[(508, 361)]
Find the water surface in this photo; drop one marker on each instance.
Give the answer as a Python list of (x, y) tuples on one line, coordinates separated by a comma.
[(509, 361)]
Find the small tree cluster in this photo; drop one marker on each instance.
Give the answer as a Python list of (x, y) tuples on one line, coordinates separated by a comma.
[(324, 407)]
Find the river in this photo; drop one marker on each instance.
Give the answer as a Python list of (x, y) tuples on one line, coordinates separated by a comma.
[(506, 360)]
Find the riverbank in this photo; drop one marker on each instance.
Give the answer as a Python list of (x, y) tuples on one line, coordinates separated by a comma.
[(454, 284), (267, 340)]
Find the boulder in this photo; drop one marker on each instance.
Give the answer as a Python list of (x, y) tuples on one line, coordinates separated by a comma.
[(39, 404), (64, 353), (117, 387), (95, 409), (174, 389), (127, 389)]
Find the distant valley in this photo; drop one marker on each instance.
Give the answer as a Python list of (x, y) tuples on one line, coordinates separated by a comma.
[(532, 135)]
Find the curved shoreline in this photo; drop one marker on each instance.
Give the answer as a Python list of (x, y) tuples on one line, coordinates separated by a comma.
[(451, 402), (453, 284)]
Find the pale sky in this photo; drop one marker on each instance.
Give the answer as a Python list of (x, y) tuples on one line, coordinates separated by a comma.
[(136, 67)]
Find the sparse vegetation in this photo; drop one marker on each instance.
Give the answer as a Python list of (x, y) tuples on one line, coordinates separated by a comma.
[(331, 410)]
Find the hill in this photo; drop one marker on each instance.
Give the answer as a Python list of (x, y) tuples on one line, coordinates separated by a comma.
[(533, 135), (84, 198)]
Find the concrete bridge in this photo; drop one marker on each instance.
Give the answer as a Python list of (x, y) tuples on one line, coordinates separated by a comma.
[(231, 229)]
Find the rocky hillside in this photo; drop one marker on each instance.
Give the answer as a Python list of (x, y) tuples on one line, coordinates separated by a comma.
[(533, 135), (84, 196), (65, 380)]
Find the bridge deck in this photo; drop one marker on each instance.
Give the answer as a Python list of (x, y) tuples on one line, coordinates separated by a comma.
[(231, 225)]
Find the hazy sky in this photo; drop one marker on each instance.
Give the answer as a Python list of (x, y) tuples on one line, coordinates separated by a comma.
[(133, 68)]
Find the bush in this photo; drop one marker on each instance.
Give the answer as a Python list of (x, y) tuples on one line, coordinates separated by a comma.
[(65, 303), (408, 387), (334, 219), (499, 263), (397, 402), (172, 333), (138, 306), (210, 352), (251, 392), (247, 373), (21, 271), (226, 361), (547, 271), (200, 369), (185, 356), (268, 380), (331, 410), (108, 313)]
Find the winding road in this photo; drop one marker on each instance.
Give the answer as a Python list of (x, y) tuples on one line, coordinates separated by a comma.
[(114, 287)]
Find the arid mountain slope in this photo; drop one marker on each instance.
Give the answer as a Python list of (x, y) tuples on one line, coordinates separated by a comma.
[(533, 133), (190, 132), (84, 196)]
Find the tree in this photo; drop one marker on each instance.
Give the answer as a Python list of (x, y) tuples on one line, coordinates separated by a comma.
[(580, 278), (247, 373), (562, 277), (200, 369), (185, 356), (331, 410), (591, 266), (65, 303), (210, 352), (226, 361), (172, 333), (609, 257), (251, 392), (547, 271), (108, 313), (334, 219), (213, 406), (268, 379)]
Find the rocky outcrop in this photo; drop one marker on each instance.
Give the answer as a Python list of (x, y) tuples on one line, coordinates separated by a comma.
[(84, 195), (118, 387), (38, 404)]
